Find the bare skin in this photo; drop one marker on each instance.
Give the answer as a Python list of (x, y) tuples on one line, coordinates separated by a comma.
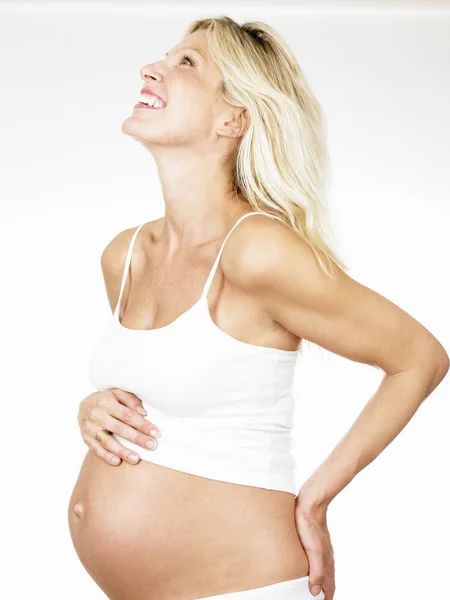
[(144, 531)]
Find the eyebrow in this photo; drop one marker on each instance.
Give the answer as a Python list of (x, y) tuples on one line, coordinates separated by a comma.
[(187, 48)]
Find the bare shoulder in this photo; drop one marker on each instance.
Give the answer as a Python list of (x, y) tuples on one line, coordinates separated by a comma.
[(114, 256), (254, 242), (262, 250)]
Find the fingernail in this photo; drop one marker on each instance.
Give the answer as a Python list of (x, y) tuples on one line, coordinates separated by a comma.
[(155, 433), (141, 411), (315, 589)]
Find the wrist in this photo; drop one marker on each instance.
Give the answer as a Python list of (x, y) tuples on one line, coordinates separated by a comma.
[(310, 501)]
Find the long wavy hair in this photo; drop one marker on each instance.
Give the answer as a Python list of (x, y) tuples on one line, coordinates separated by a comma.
[(281, 163)]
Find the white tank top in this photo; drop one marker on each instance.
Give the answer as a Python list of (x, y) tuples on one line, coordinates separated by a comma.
[(224, 407)]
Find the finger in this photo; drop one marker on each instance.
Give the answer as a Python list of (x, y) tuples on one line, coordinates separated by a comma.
[(129, 399), (329, 589), (95, 446), (316, 588), (123, 430), (112, 406), (130, 425), (100, 418), (329, 583), (110, 444), (316, 575)]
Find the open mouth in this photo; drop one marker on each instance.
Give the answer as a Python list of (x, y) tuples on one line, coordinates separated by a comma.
[(152, 101), (144, 105)]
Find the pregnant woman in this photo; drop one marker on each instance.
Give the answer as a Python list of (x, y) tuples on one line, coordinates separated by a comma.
[(210, 305)]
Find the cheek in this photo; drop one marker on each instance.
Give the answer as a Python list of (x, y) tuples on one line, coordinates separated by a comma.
[(190, 96), (193, 118)]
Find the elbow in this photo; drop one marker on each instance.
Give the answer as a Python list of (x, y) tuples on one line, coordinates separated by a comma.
[(443, 365), (439, 362)]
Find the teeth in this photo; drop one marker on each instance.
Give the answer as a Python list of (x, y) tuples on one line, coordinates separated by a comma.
[(151, 100)]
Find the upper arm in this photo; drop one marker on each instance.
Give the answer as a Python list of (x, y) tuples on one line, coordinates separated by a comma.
[(347, 318)]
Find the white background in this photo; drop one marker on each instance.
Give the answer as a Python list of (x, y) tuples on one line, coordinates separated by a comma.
[(71, 180)]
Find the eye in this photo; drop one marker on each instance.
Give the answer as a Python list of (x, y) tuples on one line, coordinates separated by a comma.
[(186, 57)]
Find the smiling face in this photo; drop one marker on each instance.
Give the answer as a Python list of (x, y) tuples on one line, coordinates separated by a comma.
[(190, 83)]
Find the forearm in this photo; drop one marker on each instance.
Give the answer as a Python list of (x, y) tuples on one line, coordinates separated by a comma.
[(388, 411)]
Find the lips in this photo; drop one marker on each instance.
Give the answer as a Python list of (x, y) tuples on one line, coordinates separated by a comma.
[(147, 90), (146, 106)]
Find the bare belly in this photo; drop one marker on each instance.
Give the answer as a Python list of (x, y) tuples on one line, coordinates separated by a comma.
[(146, 532)]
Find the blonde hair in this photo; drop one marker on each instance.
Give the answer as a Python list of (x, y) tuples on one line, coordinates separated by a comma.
[(281, 163)]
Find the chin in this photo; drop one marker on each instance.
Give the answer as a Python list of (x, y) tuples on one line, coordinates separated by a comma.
[(132, 126)]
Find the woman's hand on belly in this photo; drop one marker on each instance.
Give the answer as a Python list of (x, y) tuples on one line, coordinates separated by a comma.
[(116, 411)]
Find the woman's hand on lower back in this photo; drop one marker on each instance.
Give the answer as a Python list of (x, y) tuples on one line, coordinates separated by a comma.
[(312, 529), (116, 411)]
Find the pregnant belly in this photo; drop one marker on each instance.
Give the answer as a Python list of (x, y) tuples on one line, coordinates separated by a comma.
[(145, 531)]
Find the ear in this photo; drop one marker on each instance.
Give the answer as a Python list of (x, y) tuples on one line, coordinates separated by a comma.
[(236, 125)]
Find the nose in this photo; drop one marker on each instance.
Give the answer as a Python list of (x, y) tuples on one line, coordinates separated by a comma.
[(151, 71)]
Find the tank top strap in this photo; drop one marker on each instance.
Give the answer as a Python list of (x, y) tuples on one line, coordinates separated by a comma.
[(126, 267), (216, 262)]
